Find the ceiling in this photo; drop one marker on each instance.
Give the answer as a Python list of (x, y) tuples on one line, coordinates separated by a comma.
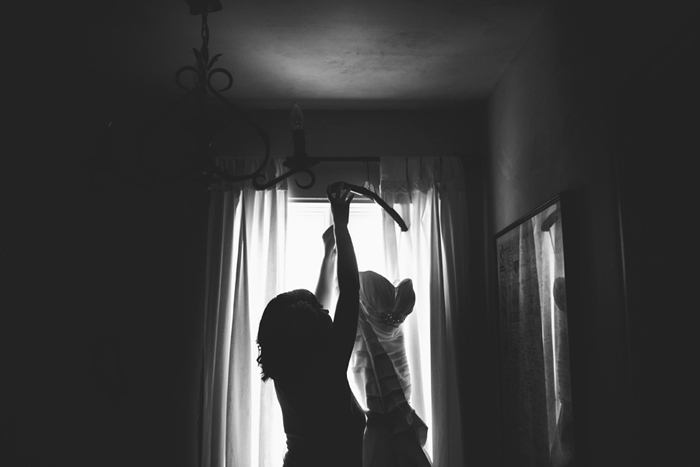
[(321, 53)]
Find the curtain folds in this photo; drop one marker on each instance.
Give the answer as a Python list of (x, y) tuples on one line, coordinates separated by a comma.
[(246, 234), (429, 194), (245, 269)]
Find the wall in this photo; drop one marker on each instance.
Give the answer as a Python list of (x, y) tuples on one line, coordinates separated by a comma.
[(369, 133), (102, 349), (565, 117), (106, 292), (655, 133)]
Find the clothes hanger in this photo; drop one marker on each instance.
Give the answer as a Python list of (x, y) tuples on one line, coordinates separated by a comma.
[(374, 197)]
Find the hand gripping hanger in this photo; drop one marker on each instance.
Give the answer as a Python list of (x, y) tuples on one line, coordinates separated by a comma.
[(375, 197)]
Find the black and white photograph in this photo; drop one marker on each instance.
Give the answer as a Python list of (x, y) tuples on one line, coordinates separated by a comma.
[(348, 233)]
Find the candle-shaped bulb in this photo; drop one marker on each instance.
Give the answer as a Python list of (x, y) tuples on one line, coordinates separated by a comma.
[(297, 117)]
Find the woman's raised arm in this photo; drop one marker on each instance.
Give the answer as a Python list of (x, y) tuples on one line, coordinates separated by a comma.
[(347, 308), (326, 276)]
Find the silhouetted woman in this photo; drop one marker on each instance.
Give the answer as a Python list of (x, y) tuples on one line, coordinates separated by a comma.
[(306, 354), (395, 435)]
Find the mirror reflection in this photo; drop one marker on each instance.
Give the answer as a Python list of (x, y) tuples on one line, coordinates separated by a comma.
[(534, 341)]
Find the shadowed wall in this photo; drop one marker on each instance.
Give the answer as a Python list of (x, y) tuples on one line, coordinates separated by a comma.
[(596, 105)]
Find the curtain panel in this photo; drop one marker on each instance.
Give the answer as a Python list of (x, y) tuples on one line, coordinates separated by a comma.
[(246, 234), (429, 194)]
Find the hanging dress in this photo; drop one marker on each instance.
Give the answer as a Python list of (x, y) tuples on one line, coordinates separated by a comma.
[(395, 435)]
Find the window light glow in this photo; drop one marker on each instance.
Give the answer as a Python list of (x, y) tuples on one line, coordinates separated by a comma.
[(306, 222)]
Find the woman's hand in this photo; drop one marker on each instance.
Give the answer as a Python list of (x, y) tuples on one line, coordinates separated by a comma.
[(340, 197)]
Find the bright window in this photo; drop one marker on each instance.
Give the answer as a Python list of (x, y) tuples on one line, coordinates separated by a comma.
[(307, 219), (306, 222)]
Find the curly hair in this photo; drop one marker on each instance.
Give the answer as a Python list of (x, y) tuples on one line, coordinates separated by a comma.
[(290, 329)]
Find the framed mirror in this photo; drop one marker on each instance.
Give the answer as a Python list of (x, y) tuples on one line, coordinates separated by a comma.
[(534, 340)]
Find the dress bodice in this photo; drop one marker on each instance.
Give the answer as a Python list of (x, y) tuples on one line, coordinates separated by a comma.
[(383, 307), (386, 305)]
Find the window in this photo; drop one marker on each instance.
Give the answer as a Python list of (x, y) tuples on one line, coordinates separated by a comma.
[(307, 219), (241, 423)]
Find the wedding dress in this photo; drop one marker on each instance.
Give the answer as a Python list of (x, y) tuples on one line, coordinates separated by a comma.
[(395, 435)]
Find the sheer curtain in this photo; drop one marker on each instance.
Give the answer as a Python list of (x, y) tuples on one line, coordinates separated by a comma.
[(429, 195), (246, 235)]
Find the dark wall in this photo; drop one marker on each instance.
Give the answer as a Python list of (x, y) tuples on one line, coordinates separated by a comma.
[(103, 343), (596, 106), (367, 133), (548, 135), (654, 138)]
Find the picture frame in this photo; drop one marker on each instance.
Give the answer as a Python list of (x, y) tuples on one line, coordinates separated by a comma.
[(533, 328)]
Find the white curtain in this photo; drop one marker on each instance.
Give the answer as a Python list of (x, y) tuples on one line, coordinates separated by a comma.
[(429, 194), (246, 235)]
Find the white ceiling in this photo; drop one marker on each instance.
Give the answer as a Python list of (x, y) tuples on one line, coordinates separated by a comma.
[(321, 53)]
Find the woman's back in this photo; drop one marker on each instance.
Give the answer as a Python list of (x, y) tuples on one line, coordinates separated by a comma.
[(307, 353), (323, 422)]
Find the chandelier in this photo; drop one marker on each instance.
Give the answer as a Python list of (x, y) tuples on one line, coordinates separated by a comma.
[(204, 131)]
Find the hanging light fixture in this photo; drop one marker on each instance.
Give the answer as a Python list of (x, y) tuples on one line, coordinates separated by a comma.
[(205, 131), (202, 128)]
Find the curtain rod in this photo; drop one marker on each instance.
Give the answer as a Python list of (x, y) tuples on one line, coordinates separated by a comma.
[(335, 159), (345, 159)]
